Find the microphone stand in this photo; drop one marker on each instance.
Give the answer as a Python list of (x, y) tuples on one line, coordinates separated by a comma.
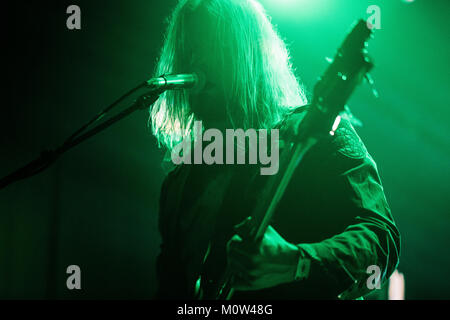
[(48, 157)]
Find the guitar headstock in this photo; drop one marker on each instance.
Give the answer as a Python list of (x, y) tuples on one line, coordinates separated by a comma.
[(348, 68)]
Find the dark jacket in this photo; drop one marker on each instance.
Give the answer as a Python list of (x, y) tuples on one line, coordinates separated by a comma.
[(334, 209)]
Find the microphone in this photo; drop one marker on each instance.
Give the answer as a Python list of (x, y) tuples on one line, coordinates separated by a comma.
[(178, 81)]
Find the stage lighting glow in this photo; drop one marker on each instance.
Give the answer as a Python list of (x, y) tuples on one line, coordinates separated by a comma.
[(286, 2), (299, 9)]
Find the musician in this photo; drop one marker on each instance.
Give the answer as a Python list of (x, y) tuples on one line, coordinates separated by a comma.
[(333, 221)]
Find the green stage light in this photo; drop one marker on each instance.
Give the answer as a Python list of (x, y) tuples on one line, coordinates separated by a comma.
[(286, 2), (299, 9)]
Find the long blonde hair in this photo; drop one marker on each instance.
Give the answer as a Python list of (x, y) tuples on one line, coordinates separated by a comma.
[(249, 52)]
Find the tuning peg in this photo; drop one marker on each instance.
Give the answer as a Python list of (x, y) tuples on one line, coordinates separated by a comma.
[(370, 81)]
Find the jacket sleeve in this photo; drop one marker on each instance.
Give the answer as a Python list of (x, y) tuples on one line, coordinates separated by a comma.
[(342, 265)]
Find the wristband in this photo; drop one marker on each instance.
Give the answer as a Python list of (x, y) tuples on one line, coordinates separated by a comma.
[(303, 266)]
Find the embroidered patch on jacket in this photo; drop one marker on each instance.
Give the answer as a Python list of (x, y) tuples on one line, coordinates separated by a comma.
[(347, 141)]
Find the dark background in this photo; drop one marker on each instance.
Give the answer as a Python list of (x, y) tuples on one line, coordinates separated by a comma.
[(97, 207)]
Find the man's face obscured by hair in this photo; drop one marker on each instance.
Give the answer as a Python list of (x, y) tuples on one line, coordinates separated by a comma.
[(205, 52)]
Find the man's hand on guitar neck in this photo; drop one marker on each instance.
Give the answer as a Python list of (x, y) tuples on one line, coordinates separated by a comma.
[(272, 262)]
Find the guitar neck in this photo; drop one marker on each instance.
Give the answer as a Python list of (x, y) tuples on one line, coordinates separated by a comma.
[(276, 187)]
